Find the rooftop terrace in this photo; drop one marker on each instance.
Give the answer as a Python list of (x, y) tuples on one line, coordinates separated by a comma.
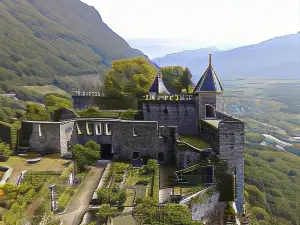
[(213, 122), (195, 141)]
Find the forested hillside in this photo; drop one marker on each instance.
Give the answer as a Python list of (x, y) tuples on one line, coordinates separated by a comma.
[(41, 39)]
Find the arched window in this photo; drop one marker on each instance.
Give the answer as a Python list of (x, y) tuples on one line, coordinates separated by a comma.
[(210, 111)]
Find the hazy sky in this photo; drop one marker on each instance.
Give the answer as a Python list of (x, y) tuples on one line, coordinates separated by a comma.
[(207, 22)]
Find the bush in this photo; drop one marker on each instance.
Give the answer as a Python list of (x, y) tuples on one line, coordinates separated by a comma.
[(86, 155), (128, 114), (112, 196), (35, 112), (151, 166), (5, 150)]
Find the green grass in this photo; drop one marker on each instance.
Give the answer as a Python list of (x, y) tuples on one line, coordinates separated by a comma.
[(43, 90), (195, 141), (130, 194), (136, 175), (48, 163), (141, 192), (124, 220), (190, 189)]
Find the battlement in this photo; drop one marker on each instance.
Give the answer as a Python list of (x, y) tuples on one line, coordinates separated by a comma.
[(87, 93)]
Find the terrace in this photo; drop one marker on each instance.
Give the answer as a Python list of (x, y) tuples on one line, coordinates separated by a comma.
[(195, 141)]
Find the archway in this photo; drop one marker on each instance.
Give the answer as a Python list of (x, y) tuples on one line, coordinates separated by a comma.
[(210, 111)]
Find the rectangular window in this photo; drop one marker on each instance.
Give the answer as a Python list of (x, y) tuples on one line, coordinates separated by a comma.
[(40, 130), (135, 155), (78, 129), (89, 128), (108, 129), (98, 129), (161, 157)]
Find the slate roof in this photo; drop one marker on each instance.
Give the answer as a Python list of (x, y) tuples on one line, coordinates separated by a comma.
[(158, 85), (209, 82)]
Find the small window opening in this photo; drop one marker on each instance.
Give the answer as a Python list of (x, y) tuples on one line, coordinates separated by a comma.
[(40, 130), (108, 129), (135, 155), (89, 128), (78, 129), (98, 129), (134, 132)]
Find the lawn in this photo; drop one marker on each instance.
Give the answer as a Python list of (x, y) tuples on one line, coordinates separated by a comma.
[(124, 220), (195, 141), (190, 189), (137, 175), (130, 194), (48, 163)]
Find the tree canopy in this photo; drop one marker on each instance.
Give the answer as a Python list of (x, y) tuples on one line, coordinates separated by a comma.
[(130, 76), (86, 155)]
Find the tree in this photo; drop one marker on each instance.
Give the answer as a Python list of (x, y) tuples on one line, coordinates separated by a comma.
[(54, 102), (86, 155), (128, 114), (111, 196), (5, 149), (185, 80), (36, 112), (90, 112), (151, 165), (105, 212)]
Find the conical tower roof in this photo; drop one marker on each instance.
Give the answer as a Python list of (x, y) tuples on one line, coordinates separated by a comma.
[(209, 82), (158, 85)]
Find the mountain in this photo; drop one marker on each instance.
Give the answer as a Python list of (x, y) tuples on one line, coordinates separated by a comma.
[(42, 38), (184, 57), (277, 58)]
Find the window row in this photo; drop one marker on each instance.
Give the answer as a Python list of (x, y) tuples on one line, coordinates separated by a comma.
[(95, 129)]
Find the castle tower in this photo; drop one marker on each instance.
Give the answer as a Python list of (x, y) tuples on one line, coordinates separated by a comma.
[(209, 93), (158, 86)]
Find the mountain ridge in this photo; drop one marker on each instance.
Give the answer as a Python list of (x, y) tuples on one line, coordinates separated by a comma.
[(278, 57), (41, 39)]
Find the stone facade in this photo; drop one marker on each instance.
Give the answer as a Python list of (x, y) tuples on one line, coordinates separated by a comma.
[(125, 138), (182, 114), (45, 137)]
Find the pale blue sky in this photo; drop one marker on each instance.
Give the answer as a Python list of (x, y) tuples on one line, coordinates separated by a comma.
[(224, 23)]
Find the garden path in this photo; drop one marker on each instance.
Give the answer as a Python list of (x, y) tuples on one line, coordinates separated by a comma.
[(80, 201)]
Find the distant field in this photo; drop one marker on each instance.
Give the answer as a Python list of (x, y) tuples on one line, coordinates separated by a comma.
[(46, 89)]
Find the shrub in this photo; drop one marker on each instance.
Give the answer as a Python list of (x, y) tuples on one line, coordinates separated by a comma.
[(151, 166), (128, 114), (112, 196), (5, 150), (36, 112), (86, 155)]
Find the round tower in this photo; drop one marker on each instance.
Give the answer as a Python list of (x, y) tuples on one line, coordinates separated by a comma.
[(209, 93)]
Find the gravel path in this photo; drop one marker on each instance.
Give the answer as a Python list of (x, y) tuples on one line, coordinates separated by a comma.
[(80, 201)]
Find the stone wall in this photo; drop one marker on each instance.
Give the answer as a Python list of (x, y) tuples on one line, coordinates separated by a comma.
[(180, 114), (216, 100), (45, 137), (148, 140), (231, 147), (5, 133), (66, 133)]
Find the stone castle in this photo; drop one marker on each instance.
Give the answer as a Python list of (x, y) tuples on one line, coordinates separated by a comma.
[(166, 117)]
